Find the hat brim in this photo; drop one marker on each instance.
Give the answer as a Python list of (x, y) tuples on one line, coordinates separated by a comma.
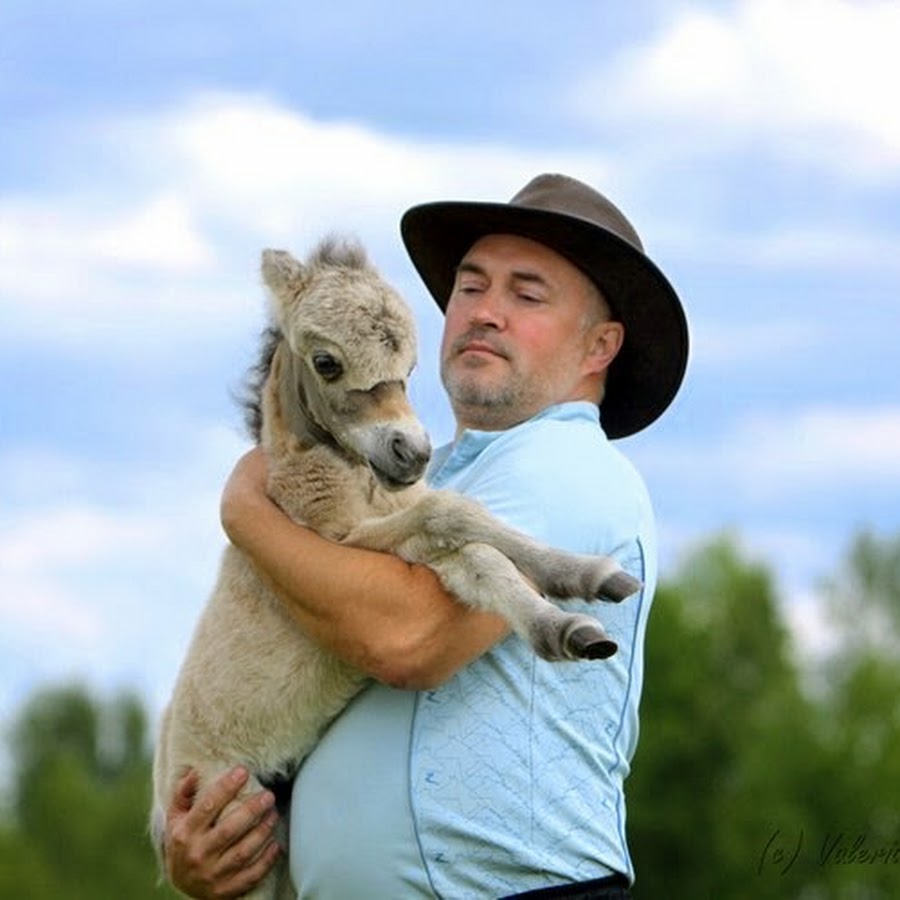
[(647, 373)]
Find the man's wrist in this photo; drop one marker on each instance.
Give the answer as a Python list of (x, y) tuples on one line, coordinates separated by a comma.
[(241, 508)]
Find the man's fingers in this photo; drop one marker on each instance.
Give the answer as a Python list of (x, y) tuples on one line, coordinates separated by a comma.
[(185, 791), (212, 800), (244, 863), (243, 880), (254, 847), (251, 817)]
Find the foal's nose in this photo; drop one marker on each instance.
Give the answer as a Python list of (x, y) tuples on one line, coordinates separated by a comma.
[(410, 455)]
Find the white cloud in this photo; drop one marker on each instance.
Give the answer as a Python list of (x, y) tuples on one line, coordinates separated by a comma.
[(33, 473), (57, 588), (73, 274), (785, 456), (157, 234), (164, 245), (161, 248), (161, 234), (817, 76), (820, 445), (35, 605), (73, 534), (60, 573), (110, 592), (277, 172), (730, 344), (794, 245), (815, 634), (47, 244)]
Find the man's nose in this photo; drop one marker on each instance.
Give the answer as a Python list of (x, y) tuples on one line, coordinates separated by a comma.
[(487, 308)]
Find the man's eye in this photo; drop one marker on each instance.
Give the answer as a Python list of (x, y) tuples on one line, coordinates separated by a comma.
[(468, 282), (327, 366)]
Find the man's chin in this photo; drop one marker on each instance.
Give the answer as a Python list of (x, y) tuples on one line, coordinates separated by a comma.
[(478, 394)]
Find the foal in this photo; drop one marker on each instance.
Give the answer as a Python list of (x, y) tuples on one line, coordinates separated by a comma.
[(346, 456)]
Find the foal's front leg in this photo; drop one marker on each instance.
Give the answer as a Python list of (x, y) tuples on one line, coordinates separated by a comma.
[(481, 562), (442, 521), (483, 578)]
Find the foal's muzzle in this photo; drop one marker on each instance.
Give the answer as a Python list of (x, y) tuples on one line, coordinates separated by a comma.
[(399, 455)]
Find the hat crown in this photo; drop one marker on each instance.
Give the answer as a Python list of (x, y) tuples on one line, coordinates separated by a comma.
[(569, 197)]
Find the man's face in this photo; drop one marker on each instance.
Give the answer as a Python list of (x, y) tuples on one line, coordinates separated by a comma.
[(524, 329)]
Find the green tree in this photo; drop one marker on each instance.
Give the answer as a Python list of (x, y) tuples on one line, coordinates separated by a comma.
[(860, 809), (80, 797), (727, 755), (863, 599), (744, 785)]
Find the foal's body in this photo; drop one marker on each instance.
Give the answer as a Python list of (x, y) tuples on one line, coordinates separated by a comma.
[(346, 455)]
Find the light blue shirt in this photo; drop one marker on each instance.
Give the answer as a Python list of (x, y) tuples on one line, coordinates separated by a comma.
[(508, 777)]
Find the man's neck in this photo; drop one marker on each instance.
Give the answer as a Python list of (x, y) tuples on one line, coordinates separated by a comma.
[(487, 420)]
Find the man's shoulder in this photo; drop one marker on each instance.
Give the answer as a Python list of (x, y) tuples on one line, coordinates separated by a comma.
[(562, 482), (565, 454)]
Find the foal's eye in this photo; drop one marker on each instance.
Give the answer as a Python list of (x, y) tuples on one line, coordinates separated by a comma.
[(327, 366)]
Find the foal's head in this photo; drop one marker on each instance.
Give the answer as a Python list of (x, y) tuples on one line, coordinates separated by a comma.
[(344, 352)]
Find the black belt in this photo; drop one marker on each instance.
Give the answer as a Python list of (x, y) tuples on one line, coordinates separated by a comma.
[(613, 887)]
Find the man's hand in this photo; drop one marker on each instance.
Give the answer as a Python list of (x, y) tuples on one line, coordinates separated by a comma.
[(215, 857), (245, 488)]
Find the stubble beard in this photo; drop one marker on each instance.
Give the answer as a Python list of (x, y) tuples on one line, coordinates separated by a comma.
[(484, 403)]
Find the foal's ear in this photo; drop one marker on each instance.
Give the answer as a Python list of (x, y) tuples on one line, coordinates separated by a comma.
[(280, 271)]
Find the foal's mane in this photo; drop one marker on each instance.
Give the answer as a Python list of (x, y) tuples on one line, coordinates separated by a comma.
[(332, 252), (250, 398)]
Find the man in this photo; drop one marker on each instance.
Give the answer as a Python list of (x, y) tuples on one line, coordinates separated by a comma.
[(470, 768)]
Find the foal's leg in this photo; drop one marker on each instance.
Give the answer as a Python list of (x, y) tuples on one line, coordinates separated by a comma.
[(562, 574), (442, 531), (483, 578), (442, 521)]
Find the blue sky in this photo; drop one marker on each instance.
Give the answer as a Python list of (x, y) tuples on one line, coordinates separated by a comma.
[(149, 152)]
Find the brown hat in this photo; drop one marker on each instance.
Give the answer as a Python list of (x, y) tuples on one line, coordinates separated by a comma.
[(583, 226)]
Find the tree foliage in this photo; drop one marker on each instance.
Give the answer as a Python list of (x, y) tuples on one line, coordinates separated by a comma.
[(81, 775), (745, 784)]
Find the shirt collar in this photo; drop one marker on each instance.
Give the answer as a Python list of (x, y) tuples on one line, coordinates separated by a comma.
[(471, 442)]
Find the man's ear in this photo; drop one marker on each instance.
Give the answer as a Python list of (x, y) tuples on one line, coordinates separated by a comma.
[(606, 340)]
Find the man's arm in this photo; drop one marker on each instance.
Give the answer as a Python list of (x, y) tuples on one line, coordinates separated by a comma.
[(389, 618)]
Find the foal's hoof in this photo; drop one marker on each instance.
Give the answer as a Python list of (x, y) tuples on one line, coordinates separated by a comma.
[(589, 642), (618, 586)]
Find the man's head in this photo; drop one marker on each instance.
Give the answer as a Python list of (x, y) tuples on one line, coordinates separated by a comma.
[(555, 229), (524, 329)]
